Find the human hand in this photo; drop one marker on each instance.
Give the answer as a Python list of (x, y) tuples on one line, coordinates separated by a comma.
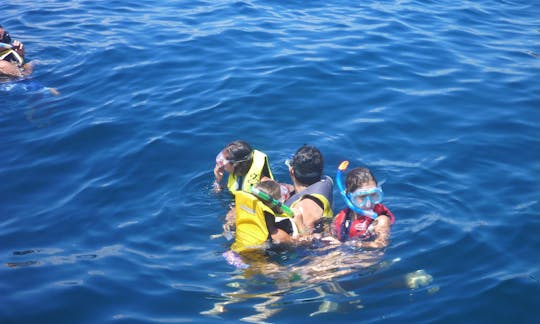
[(228, 231), (218, 174), (216, 187), (18, 47), (231, 215), (330, 240)]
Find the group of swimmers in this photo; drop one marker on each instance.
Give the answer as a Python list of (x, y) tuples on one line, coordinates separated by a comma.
[(267, 213)]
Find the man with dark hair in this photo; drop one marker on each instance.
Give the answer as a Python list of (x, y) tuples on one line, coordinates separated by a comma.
[(312, 198)]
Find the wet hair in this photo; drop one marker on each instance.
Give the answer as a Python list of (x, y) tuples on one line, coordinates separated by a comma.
[(240, 154), (271, 188), (307, 164), (358, 177)]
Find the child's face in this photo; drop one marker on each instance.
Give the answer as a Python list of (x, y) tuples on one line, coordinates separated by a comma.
[(366, 196), (222, 161)]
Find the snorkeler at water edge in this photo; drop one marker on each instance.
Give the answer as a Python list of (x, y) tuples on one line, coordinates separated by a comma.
[(312, 198), (365, 219), (12, 56), (246, 167), (258, 215)]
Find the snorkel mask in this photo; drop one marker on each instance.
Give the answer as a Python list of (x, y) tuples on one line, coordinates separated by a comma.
[(221, 161), (361, 201)]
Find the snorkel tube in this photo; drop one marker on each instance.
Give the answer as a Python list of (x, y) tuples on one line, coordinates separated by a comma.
[(341, 186), (274, 202)]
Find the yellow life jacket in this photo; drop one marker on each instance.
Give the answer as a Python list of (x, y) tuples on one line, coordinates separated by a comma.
[(251, 229), (6, 53), (253, 176)]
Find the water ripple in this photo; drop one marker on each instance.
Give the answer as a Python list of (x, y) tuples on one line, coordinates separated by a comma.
[(106, 203)]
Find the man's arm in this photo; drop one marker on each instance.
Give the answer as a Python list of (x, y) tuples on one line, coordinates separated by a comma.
[(18, 47)]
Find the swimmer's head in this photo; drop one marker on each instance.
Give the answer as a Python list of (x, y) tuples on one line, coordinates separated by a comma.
[(237, 154), (359, 177), (271, 188), (362, 189), (306, 165), (4, 36)]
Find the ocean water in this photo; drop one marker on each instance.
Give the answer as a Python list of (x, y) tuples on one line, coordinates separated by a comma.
[(105, 203)]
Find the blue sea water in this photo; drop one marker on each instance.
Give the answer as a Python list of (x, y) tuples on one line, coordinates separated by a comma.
[(105, 203)]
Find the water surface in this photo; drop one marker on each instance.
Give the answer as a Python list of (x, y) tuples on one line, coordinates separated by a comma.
[(107, 214)]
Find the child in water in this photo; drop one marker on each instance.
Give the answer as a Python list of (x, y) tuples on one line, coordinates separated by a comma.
[(260, 218), (366, 219), (259, 223), (245, 166)]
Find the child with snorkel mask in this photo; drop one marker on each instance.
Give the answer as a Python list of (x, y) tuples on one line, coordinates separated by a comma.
[(365, 221), (262, 221)]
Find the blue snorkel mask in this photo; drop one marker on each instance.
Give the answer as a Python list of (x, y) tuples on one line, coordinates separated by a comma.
[(361, 201)]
